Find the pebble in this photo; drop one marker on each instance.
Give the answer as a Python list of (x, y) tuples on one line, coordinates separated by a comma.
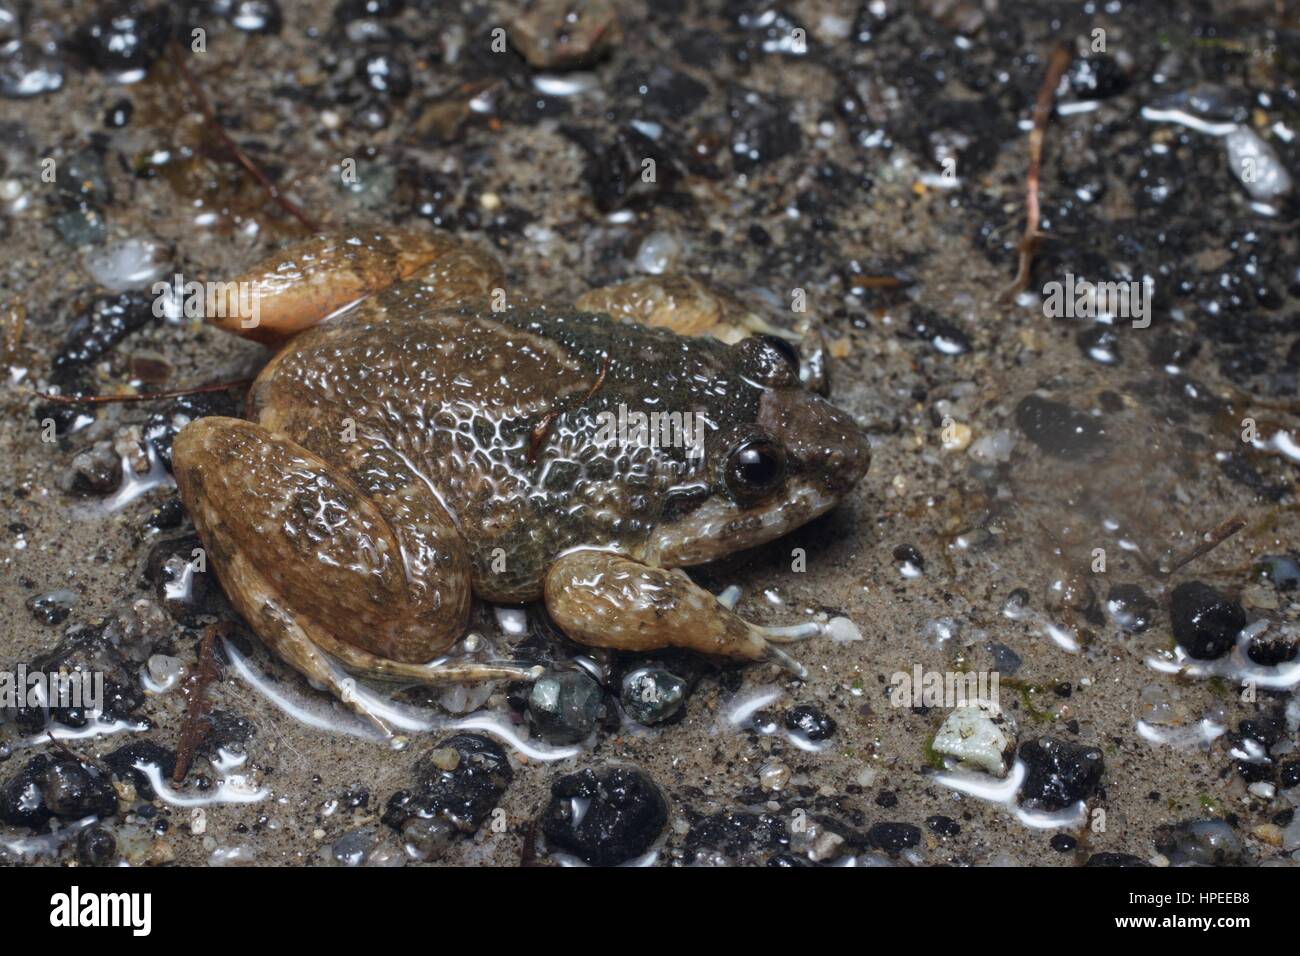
[(1131, 608), (1059, 773), (463, 796), (1205, 622), (125, 37), (1200, 843), (657, 253), (773, 776), (52, 607), (943, 826), (385, 74), (652, 695), (893, 838), (351, 848), (426, 840), (1256, 166), (97, 471), (249, 16), (565, 707), (27, 71), (96, 846), (737, 835), (604, 818), (128, 264), (810, 722), (979, 735), (562, 34)]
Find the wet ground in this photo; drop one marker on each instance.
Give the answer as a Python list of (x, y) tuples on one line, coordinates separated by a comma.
[(1040, 489)]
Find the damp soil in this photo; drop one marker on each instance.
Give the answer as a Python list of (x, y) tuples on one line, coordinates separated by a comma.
[(1008, 445)]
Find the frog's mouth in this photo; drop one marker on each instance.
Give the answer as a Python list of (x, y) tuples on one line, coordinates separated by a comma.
[(719, 527)]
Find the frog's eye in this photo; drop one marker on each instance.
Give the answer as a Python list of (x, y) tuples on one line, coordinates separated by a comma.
[(771, 360), (755, 468)]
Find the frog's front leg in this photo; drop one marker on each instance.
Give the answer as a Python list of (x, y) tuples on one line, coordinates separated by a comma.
[(606, 600), (321, 570)]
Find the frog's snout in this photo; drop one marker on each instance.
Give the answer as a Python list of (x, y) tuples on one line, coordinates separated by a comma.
[(826, 446)]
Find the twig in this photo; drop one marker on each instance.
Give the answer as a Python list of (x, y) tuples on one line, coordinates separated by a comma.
[(1042, 112), (142, 396), (196, 702), (205, 106), (1209, 541), (538, 433)]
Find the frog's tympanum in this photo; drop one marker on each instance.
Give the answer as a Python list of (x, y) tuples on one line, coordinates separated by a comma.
[(422, 438)]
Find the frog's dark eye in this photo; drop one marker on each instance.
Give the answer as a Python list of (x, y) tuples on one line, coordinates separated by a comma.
[(755, 468)]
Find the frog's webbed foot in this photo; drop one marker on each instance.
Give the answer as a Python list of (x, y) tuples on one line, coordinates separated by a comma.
[(295, 288), (605, 600)]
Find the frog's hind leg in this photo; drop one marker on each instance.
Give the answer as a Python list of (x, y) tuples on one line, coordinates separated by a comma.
[(323, 571), (605, 600), (295, 288)]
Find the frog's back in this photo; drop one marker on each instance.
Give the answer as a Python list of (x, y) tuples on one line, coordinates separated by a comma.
[(454, 400)]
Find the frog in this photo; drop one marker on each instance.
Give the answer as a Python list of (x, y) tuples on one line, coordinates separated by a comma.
[(422, 438)]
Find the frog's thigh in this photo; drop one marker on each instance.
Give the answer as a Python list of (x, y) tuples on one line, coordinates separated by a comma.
[(294, 288), (604, 600), (293, 537)]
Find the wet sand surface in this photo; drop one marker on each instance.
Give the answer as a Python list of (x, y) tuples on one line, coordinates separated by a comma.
[(1036, 485)]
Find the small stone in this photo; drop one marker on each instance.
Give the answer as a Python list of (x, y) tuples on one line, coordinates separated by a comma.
[(562, 34), (893, 838), (385, 74), (943, 826), (1200, 843), (52, 607), (1205, 622), (128, 264), (1115, 859), (652, 695), (351, 848), (125, 37), (1063, 842), (426, 840), (97, 471), (445, 758), (249, 16), (72, 790), (27, 71), (96, 847), (1131, 608), (1059, 773), (606, 818), (979, 735), (1256, 165), (463, 797), (773, 775), (810, 722), (565, 707)]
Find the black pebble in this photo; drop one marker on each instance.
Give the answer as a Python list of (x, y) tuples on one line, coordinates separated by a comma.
[(894, 837), (464, 796), (1205, 622), (1063, 843), (1059, 773), (944, 826), (809, 721), (624, 816)]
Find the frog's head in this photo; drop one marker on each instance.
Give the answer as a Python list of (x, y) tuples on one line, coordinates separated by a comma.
[(790, 457)]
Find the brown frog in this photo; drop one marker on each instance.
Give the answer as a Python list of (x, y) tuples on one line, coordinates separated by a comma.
[(419, 440)]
